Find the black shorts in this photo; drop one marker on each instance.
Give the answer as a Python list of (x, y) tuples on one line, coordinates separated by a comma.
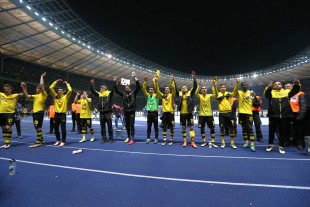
[(187, 118), (167, 119), (6, 119), (86, 122), (206, 119), (226, 119), (246, 119), (38, 119)]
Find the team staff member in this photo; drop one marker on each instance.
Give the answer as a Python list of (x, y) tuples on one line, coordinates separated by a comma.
[(60, 103), (38, 108), (206, 113), (73, 116), (8, 102), (299, 107), (51, 115), (279, 111), (256, 104), (18, 111), (77, 117), (104, 106), (167, 107), (129, 98)]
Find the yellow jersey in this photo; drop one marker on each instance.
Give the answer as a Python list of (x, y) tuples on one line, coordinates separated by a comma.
[(60, 102), (205, 107), (8, 103), (85, 108), (167, 99), (39, 101)]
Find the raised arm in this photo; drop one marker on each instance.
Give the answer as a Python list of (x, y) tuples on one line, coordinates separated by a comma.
[(92, 88), (235, 92), (154, 85), (77, 96), (267, 91), (24, 89), (116, 88), (177, 92), (193, 90), (52, 88), (173, 86), (198, 89), (68, 94), (159, 94), (42, 81), (144, 87), (138, 87), (214, 88)]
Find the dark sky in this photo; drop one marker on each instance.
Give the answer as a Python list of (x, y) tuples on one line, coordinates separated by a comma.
[(218, 39)]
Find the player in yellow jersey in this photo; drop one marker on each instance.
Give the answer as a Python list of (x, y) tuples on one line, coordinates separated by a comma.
[(38, 108), (60, 104), (205, 112), (245, 97), (225, 115), (167, 107), (8, 102), (85, 115), (186, 108)]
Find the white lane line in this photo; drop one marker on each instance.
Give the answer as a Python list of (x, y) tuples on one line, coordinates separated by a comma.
[(176, 155), (167, 178)]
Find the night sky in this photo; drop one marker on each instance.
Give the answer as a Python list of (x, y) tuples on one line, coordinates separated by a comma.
[(213, 39)]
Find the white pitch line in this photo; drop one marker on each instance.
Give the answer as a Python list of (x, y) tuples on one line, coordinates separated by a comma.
[(167, 178), (176, 155)]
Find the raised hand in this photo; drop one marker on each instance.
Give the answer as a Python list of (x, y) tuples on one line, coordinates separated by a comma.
[(92, 82), (44, 74), (171, 77), (200, 82), (296, 81), (23, 85), (117, 80), (157, 73), (193, 74)]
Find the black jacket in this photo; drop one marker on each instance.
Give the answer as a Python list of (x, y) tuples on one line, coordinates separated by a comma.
[(279, 102), (129, 99), (189, 97), (303, 107), (105, 99)]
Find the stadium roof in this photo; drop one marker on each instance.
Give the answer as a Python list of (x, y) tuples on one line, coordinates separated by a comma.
[(49, 33)]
